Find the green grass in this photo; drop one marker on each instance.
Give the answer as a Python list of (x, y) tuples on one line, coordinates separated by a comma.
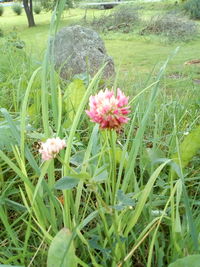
[(131, 53), (36, 37), (135, 51), (135, 56), (137, 198)]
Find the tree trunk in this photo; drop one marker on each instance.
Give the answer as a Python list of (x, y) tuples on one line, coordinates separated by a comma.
[(28, 7)]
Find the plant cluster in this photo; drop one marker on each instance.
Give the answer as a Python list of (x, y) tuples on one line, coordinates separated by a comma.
[(115, 180), (50, 4), (17, 8), (15, 69), (37, 9), (172, 26), (123, 18), (192, 7)]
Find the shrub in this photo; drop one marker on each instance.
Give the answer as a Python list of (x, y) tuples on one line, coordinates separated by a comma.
[(1, 10), (47, 5), (37, 9), (172, 26), (17, 8), (122, 18), (192, 7), (125, 14), (13, 41)]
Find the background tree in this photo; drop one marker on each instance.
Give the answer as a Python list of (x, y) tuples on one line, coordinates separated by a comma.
[(28, 7), (50, 4)]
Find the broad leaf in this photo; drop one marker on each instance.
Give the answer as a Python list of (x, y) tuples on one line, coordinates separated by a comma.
[(193, 261), (189, 147), (62, 252), (72, 98), (100, 175), (119, 153), (66, 182), (124, 200), (6, 139)]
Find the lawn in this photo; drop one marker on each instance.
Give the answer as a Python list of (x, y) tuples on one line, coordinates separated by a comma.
[(139, 53), (110, 180)]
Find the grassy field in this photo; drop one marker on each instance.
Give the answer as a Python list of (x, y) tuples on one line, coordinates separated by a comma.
[(139, 53), (122, 197)]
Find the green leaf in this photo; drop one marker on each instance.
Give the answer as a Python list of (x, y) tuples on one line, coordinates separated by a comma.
[(189, 147), (119, 154), (14, 205), (124, 200), (6, 140), (101, 174), (62, 252), (192, 260), (81, 175), (66, 183), (73, 97), (3, 265)]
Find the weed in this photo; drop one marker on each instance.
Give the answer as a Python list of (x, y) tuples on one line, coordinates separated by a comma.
[(123, 18), (172, 26)]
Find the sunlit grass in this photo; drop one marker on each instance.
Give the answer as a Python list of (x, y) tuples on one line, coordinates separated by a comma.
[(135, 53)]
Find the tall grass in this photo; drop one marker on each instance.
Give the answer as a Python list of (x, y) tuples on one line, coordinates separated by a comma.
[(109, 199)]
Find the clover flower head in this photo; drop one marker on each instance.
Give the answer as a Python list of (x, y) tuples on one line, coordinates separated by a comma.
[(51, 148), (108, 110)]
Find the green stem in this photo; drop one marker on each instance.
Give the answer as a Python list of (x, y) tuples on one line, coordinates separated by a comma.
[(112, 139)]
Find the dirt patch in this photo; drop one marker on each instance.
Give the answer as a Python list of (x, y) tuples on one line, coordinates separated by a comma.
[(176, 76), (192, 62), (197, 81)]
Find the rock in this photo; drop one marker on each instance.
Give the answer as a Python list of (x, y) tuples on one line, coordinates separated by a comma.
[(77, 50)]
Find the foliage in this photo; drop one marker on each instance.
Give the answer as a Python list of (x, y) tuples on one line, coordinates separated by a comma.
[(72, 98), (51, 4), (192, 7), (172, 26), (62, 252), (37, 9), (112, 192), (1, 10), (189, 147), (126, 14), (123, 18), (15, 69), (88, 168), (192, 260), (17, 8), (47, 5)]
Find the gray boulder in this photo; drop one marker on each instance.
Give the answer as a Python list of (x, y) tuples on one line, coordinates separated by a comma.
[(77, 50)]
